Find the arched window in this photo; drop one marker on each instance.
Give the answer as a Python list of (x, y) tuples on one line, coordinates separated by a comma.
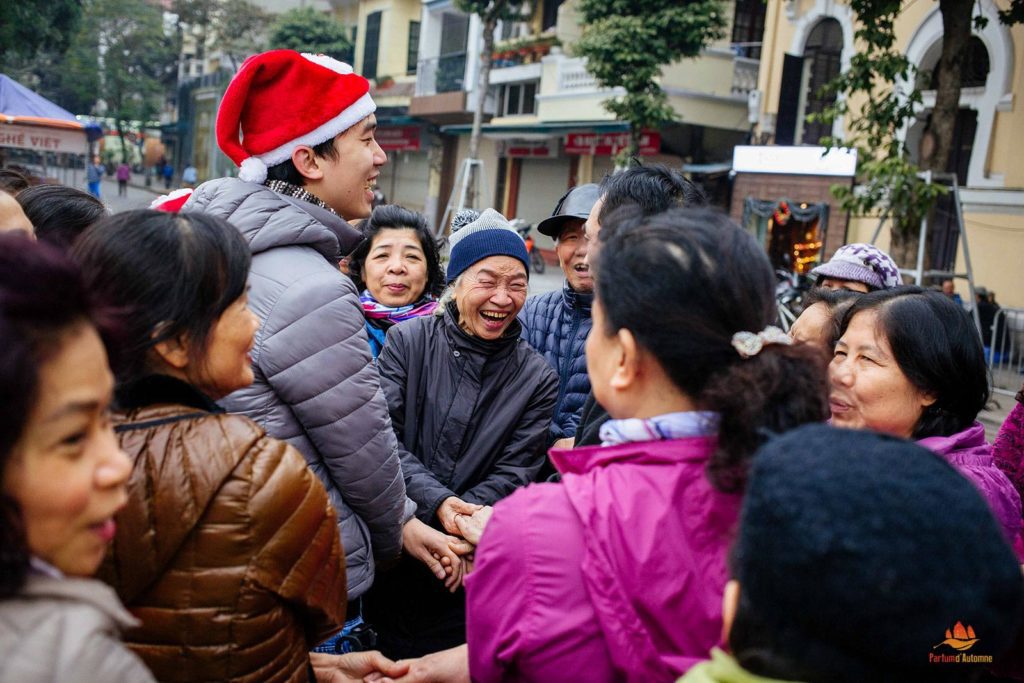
[(822, 61), (974, 71)]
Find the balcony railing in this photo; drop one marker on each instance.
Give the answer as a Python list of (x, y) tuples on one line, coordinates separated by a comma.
[(440, 75), (574, 77), (744, 75)]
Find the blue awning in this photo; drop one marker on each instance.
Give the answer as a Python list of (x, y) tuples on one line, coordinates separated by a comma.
[(18, 104)]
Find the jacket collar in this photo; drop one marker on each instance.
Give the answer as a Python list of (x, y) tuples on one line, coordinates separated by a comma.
[(572, 299), (90, 591), (972, 439), (587, 458), (162, 389), (464, 341)]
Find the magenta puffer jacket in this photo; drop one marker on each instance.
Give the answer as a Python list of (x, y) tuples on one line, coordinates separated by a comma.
[(972, 456), (1008, 448), (616, 574)]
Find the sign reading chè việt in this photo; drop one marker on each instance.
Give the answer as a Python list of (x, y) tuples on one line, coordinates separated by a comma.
[(43, 139)]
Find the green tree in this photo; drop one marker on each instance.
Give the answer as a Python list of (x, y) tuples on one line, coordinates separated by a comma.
[(882, 84), (28, 27), (121, 55), (307, 30), (627, 42), (237, 27), (490, 13)]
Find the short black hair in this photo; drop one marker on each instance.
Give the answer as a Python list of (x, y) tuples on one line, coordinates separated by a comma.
[(12, 182), (938, 348), (60, 213), (287, 172), (836, 301), (164, 275), (397, 217), (683, 282), (651, 189)]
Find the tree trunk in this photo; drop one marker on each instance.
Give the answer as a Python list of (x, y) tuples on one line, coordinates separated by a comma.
[(956, 33), (490, 22)]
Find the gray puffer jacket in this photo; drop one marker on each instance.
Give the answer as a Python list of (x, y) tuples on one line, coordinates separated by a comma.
[(316, 386), (66, 630)]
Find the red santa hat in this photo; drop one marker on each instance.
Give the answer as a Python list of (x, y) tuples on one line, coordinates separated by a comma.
[(281, 99), (172, 202)]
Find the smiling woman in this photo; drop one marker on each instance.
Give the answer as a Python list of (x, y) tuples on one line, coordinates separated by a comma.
[(471, 404), (62, 477), (397, 270)]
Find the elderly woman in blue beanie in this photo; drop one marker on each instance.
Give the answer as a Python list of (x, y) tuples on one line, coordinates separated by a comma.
[(471, 404)]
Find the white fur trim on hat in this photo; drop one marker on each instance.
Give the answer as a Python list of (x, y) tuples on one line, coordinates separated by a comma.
[(253, 170), (328, 62), (355, 113)]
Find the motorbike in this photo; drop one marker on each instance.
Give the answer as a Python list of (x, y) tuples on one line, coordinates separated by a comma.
[(524, 229)]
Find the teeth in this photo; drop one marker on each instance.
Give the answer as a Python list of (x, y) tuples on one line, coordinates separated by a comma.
[(494, 316)]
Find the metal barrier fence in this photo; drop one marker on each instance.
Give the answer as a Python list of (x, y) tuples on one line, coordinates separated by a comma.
[(1005, 353)]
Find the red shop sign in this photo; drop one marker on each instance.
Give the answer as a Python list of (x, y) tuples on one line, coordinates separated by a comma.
[(607, 144), (526, 149), (399, 138)]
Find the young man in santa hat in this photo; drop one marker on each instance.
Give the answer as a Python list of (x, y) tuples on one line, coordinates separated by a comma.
[(301, 128)]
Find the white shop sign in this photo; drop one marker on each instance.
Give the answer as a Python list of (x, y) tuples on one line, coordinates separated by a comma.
[(836, 161), (43, 139)]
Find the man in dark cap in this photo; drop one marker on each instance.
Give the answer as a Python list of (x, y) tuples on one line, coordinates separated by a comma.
[(862, 557), (556, 324)]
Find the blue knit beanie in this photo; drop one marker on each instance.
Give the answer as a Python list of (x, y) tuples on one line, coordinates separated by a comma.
[(489, 235)]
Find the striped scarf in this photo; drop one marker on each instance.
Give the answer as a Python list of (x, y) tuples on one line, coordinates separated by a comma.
[(377, 311)]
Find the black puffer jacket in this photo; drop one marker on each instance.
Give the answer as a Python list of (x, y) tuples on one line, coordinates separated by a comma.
[(471, 415)]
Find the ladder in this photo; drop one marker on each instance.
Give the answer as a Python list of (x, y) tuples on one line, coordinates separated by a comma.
[(919, 273), (457, 199)]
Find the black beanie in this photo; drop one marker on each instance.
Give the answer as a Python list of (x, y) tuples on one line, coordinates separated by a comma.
[(856, 553)]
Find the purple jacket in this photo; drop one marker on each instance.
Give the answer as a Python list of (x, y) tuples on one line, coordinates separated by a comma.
[(972, 456), (617, 572), (1008, 448)]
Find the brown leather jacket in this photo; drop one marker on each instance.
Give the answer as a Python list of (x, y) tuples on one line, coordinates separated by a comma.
[(228, 550)]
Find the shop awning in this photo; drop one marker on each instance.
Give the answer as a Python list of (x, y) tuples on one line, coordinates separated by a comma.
[(20, 106), (538, 131)]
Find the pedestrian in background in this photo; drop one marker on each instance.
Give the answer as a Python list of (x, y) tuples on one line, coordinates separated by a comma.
[(93, 175), (123, 175)]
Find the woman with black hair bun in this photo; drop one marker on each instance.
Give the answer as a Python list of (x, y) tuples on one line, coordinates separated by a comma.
[(618, 572), (396, 269), (909, 362)]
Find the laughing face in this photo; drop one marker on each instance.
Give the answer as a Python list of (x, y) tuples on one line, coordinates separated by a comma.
[(572, 255), (489, 295), (346, 183)]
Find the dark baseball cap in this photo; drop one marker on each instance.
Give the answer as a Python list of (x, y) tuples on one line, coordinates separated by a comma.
[(576, 203)]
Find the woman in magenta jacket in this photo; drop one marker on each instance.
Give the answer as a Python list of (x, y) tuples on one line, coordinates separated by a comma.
[(617, 573)]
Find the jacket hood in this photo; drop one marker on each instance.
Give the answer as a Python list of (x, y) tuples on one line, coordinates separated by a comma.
[(267, 219), (621, 494), (89, 591)]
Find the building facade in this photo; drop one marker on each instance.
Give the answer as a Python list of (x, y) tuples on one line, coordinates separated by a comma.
[(808, 42)]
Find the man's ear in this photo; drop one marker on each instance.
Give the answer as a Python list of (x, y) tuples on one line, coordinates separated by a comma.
[(628, 364), (174, 352), (307, 163)]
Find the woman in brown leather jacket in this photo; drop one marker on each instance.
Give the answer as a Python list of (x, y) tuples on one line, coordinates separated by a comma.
[(228, 549)]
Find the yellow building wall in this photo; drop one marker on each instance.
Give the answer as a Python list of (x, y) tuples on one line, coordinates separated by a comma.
[(392, 56), (996, 239)]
